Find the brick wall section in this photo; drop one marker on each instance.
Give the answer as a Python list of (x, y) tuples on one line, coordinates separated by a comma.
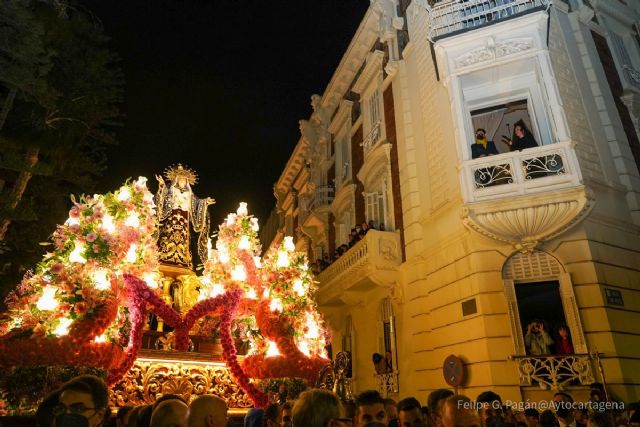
[(390, 126), (357, 158), (616, 89)]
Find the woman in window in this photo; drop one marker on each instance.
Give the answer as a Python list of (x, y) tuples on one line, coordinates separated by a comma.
[(563, 341), (522, 138)]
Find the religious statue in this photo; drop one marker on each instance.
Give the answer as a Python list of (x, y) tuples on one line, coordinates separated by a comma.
[(177, 206)]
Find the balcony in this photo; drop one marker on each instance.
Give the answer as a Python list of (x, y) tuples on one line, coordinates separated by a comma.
[(387, 384), (555, 372), (372, 137), (371, 262), (323, 196), (448, 18), (314, 213), (525, 197), (526, 172)]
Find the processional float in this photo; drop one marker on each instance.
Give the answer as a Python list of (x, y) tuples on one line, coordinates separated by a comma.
[(118, 295)]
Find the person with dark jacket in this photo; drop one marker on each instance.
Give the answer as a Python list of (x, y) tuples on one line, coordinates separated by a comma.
[(482, 147), (522, 138)]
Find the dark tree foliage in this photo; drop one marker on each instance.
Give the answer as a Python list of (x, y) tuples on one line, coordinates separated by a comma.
[(60, 93)]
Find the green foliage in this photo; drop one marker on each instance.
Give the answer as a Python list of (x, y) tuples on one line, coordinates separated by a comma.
[(69, 91)]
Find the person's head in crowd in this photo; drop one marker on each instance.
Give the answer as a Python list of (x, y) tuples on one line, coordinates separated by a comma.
[(634, 414), (170, 413), (271, 417), (44, 413), (371, 225), (410, 413), (370, 410), (490, 408), (458, 411), (285, 414), (143, 416), (434, 403), (132, 418), (382, 228), (122, 416), (548, 419), (82, 398), (391, 407), (164, 398), (207, 411), (532, 417), (254, 417), (600, 419), (564, 408), (317, 408)]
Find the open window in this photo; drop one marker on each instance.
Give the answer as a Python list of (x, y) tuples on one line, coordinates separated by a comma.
[(499, 125), (542, 318), (539, 291)]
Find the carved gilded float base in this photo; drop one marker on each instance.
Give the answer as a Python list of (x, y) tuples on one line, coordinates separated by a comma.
[(156, 373)]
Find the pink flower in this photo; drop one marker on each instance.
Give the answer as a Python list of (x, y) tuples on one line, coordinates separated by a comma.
[(57, 268), (95, 248), (74, 212), (91, 237)]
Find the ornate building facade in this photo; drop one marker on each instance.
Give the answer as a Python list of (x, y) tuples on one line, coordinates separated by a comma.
[(471, 250)]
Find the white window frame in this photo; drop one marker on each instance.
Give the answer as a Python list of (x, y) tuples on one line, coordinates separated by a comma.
[(373, 111), (521, 87), (376, 208)]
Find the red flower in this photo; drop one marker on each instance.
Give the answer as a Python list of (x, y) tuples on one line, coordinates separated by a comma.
[(81, 308)]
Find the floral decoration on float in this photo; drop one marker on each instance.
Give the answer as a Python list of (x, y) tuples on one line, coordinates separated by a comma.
[(87, 302), (72, 310)]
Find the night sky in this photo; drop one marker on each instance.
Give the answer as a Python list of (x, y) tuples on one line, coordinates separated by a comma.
[(220, 86)]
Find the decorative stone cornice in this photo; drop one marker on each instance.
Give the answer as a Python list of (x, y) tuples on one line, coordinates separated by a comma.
[(526, 222), (372, 68), (493, 51)]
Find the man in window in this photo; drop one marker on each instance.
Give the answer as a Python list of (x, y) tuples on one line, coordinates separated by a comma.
[(482, 147), (537, 340)]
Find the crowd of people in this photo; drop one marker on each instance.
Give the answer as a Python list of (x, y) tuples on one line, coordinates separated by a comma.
[(83, 402), (357, 233)]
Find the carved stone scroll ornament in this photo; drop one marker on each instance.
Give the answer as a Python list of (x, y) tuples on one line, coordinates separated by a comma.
[(493, 51), (527, 222)]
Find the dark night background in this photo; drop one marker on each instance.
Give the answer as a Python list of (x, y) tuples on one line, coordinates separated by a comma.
[(220, 86)]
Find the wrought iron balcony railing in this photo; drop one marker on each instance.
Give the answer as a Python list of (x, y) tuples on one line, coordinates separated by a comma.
[(529, 171), (322, 197), (372, 138), (555, 372), (451, 17), (387, 384)]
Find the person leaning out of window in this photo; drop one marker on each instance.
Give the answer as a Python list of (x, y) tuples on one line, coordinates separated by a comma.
[(482, 147)]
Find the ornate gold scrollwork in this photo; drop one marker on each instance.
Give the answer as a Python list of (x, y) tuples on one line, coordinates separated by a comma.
[(149, 379)]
